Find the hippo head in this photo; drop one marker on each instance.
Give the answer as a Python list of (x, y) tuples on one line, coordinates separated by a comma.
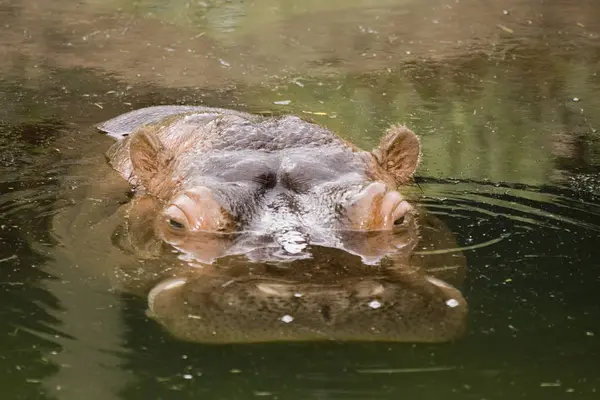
[(213, 184)]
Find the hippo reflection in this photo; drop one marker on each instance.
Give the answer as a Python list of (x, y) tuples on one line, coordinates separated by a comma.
[(259, 229), (330, 296)]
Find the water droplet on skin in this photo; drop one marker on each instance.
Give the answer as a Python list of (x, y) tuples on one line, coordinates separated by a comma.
[(294, 248), (374, 304), (287, 318), (452, 303), (292, 242)]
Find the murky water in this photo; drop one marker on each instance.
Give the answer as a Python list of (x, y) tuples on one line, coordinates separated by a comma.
[(504, 95)]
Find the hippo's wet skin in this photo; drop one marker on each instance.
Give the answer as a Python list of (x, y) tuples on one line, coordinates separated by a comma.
[(219, 182), (282, 230)]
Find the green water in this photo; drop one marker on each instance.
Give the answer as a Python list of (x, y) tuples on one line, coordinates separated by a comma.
[(504, 95)]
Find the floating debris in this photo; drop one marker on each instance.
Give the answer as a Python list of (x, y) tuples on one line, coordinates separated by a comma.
[(287, 318), (505, 28), (261, 394), (452, 303), (13, 257), (316, 113), (550, 384), (374, 304), (463, 248), (282, 102), (404, 370)]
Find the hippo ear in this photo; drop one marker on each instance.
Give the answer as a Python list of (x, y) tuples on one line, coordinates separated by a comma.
[(147, 157), (399, 153)]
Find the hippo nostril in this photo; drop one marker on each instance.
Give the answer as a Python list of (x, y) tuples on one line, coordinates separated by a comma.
[(267, 180)]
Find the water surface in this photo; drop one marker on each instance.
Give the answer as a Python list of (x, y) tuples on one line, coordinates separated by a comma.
[(504, 95)]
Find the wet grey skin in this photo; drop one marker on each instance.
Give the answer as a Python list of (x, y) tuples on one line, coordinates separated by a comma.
[(281, 200)]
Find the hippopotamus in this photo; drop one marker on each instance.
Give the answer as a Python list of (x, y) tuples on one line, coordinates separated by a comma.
[(250, 228), (219, 182)]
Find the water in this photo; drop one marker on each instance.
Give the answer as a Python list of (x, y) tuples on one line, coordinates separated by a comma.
[(503, 94)]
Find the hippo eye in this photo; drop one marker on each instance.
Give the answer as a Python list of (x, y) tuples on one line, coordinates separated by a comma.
[(173, 223), (175, 218)]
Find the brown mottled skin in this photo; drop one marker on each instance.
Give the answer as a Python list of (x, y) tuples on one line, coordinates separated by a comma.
[(273, 217), (224, 172)]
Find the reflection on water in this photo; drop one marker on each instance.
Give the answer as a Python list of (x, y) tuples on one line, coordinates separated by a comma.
[(503, 94)]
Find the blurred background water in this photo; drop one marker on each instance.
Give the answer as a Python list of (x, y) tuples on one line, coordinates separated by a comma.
[(505, 97)]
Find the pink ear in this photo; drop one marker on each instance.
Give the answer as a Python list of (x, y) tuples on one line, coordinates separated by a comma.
[(399, 153), (147, 157)]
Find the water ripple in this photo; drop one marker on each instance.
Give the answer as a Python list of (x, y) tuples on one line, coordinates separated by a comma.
[(531, 206)]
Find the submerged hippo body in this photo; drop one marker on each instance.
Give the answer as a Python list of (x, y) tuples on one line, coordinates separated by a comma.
[(254, 229)]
